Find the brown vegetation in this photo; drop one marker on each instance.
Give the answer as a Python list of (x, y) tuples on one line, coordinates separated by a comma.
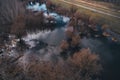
[(75, 40), (9, 10), (18, 28), (84, 65), (73, 9), (64, 45), (34, 22)]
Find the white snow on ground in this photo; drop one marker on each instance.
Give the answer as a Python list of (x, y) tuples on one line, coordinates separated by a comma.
[(40, 35), (57, 17), (42, 7), (37, 35), (66, 19), (37, 7)]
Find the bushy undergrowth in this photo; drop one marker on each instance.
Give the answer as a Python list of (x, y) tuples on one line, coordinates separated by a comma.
[(84, 65)]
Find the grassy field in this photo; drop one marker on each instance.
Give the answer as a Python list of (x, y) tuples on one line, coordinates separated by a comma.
[(113, 22), (96, 6), (105, 4)]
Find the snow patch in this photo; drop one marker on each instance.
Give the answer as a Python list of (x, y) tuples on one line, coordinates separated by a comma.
[(37, 7)]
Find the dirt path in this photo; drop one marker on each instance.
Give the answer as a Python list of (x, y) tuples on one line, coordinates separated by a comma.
[(92, 9)]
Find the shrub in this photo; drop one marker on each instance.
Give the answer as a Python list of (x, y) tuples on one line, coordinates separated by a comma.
[(105, 26), (50, 5), (34, 22), (86, 64), (73, 9), (64, 45), (75, 40)]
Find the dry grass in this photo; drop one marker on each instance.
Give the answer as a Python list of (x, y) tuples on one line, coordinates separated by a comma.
[(114, 23)]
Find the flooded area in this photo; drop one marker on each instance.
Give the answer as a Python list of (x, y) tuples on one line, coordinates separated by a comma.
[(104, 46), (47, 42)]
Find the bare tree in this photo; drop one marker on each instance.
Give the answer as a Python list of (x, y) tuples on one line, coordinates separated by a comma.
[(18, 27), (9, 9)]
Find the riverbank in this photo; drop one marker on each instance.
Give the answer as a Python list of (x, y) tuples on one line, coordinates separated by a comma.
[(104, 19), (90, 20)]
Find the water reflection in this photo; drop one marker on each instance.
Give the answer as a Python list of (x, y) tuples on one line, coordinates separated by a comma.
[(50, 37)]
